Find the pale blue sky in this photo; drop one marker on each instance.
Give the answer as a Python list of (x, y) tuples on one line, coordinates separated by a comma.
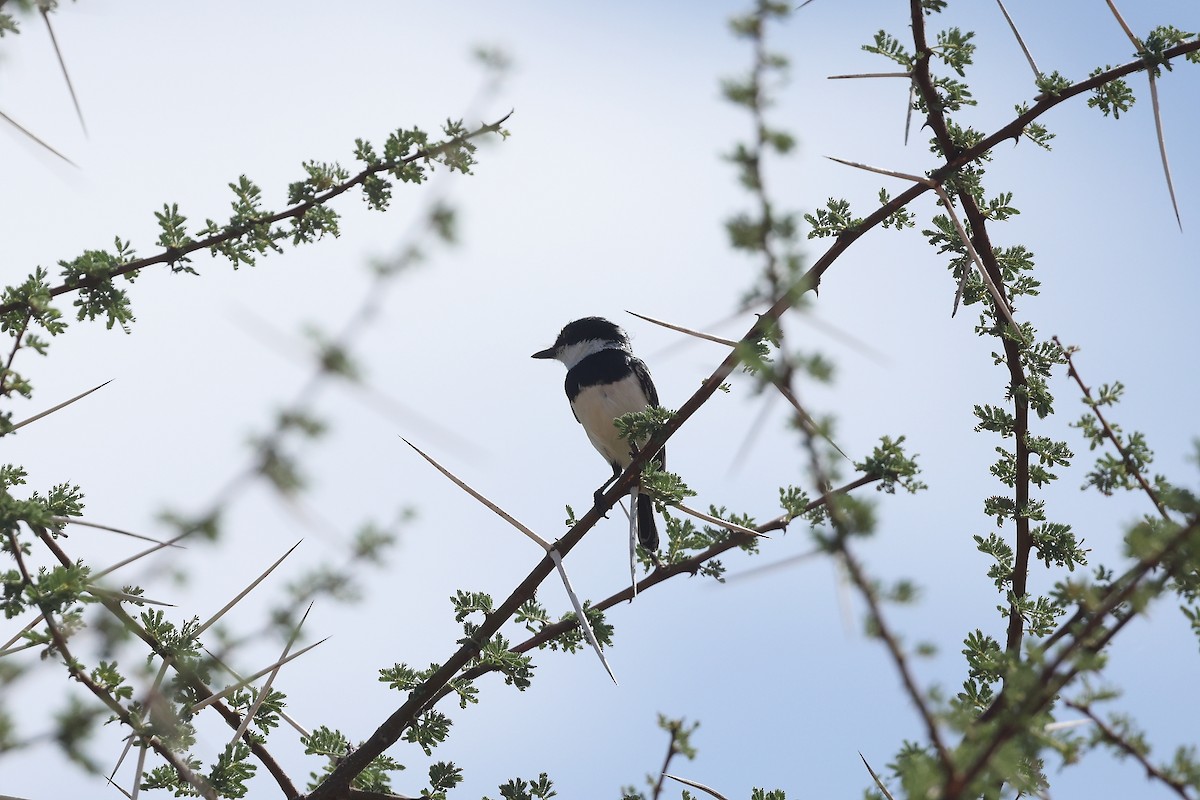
[(609, 195)]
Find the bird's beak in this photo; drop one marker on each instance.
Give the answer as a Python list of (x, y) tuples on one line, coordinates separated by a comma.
[(547, 353)]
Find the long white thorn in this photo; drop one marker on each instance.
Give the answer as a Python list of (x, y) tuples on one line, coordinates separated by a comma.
[(586, 626), (727, 525), (633, 539), (61, 405), (511, 520), (238, 597), (228, 690), (696, 785), (266, 687)]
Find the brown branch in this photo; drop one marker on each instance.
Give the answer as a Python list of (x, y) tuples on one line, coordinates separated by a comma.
[(1111, 435), (174, 254), (1012, 350), (1120, 742)]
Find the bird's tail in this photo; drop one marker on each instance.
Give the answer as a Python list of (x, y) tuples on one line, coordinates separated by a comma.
[(647, 530)]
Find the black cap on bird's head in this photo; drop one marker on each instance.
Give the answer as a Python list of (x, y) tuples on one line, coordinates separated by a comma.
[(587, 329)]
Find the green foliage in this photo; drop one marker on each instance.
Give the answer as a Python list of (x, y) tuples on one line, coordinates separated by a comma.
[(1111, 98), (1034, 131), (1157, 42), (443, 776), (891, 48), (1052, 85), (833, 220), (538, 788), (334, 746), (572, 640), (900, 219), (892, 466), (640, 426)]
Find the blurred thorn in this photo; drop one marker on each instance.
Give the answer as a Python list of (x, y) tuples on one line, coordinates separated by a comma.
[(63, 66), (751, 436), (32, 136), (123, 532), (763, 569), (385, 406)]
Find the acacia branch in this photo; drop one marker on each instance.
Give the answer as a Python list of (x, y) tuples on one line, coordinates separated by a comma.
[(174, 254), (420, 698), (231, 717)]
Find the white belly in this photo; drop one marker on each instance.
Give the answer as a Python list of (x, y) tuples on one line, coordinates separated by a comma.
[(597, 406)]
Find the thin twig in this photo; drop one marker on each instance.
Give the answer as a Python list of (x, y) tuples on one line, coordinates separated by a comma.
[(18, 335), (1110, 434), (231, 718), (981, 247), (103, 695)]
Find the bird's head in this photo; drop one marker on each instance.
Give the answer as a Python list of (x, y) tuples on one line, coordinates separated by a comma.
[(583, 337)]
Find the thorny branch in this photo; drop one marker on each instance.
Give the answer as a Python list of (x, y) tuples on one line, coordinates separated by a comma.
[(1111, 434), (176, 253), (391, 729), (78, 673), (231, 717), (1120, 742)]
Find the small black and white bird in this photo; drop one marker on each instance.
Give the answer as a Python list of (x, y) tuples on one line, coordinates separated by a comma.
[(605, 380)]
